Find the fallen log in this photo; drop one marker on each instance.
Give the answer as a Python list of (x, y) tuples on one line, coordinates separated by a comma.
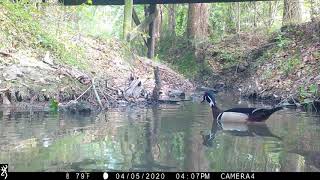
[(4, 89), (76, 74), (96, 94), (134, 89), (169, 101), (5, 54), (5, 96)]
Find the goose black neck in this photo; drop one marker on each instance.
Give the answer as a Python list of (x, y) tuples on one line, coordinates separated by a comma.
[(215, 112)]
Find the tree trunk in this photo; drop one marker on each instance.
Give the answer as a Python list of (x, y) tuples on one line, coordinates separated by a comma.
[(198, 30), (158, 23), (292, 12), (197, 27), (314, 9), (127, 18), (273, 7), (270, 22), (172, 20), (238, 17), (152, 31), (146, 11), (255, 14)]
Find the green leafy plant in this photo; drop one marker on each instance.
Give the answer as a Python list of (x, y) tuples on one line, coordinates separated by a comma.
[(181, 20), (287, 66), (53, 105), (228, 59), (308, 91), (227, 56), (282, 41), (313, 88), (302, 92)]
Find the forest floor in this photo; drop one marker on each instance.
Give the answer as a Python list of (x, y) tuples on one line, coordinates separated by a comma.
[(44, 70), (285, 65)]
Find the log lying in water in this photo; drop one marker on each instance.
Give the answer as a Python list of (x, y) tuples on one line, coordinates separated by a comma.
[(77, 107), (177, 94), (169, 101)]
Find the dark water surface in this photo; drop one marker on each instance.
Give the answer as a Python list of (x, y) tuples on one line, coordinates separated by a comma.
[(166, 138)]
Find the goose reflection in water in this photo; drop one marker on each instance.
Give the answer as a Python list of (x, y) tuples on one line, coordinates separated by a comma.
[(238, 129)]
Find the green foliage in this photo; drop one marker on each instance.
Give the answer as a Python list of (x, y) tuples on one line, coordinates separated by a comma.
[(313, 89), (228, 58), (289, 65), (187, 65), (220, 21), (53, 105), (101, 22), (181, 20), (23, 23), (19, 22), (48, 42), (182, 56), (302, 92), (89, 2), (282, 41), (308, 91)]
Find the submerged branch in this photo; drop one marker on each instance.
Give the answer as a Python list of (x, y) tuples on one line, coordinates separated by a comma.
[(96, 94)]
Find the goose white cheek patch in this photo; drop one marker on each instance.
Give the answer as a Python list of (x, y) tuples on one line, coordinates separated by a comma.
[(211, 104)]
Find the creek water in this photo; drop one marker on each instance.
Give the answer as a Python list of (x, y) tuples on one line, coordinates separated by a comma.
[(162, 138)]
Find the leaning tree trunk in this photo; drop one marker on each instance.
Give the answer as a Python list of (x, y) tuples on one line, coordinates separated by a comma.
[(172, 20), (197, 27), (292, 12)]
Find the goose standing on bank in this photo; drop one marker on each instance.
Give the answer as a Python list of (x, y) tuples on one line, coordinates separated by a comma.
[(238, 114)]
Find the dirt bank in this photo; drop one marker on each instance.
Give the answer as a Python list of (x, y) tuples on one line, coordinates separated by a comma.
[(28, 78)]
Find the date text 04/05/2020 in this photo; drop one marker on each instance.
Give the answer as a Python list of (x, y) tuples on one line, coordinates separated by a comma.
[(140, 175)]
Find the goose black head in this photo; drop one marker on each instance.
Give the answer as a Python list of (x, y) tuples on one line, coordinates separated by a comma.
[(209, 98)]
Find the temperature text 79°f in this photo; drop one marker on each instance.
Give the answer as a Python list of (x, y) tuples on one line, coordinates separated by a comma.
[(78, 176)]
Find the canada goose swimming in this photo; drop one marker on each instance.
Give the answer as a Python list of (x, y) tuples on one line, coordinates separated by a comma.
[(238, 114)]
